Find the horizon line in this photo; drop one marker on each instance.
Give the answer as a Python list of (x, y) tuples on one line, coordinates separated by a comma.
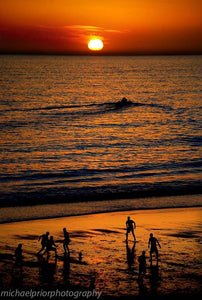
[(82, 53)]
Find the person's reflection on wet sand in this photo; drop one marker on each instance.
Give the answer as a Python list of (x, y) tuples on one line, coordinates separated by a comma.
[(142, 266), (66, 269), (142, 290), (154, 279), (47, 270), (131, 254), (92, 281)]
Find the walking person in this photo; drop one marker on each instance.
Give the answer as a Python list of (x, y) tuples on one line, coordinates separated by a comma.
[(51, 246), (44, 239), (152, 243), (66, 241)]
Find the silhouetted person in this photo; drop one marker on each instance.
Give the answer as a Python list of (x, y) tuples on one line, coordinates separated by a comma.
[(123, 102), (142, 265), (17, 278), (44, 239), (18, 255), (130, 226), (66, 241), (51, 246), (153, 242)]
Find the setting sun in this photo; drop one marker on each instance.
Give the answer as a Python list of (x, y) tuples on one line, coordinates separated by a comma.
[(95, 45)]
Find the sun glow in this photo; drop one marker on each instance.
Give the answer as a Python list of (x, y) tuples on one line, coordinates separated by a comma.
[(95, 45)]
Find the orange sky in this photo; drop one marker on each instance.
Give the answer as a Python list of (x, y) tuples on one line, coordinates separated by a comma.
[(125, 26)]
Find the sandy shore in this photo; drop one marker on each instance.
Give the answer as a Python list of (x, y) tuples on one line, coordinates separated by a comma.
[(106, 258)]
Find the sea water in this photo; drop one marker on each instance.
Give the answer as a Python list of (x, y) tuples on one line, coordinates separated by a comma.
[(63, 137)]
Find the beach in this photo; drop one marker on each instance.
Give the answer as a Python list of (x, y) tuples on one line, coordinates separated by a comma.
[(109, 265)]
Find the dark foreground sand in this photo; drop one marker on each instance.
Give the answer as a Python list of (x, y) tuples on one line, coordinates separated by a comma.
[(108, 266)]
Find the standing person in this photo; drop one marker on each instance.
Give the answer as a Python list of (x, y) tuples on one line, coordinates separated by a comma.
[(66, 241), (130, 226), (51, 246), (44, 239), (142, 265), (18, 255), (153, 242)]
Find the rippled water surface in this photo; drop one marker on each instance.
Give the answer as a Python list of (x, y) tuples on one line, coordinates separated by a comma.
[(64, 138)]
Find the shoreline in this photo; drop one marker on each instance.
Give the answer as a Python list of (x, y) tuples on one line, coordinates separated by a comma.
[(100, 212), (60, 210)]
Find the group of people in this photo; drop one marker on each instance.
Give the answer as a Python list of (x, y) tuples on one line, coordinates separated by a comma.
[(48, 244), (152, 244)]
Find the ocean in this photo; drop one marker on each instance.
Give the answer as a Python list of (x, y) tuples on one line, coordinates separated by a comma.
[(64, 139)]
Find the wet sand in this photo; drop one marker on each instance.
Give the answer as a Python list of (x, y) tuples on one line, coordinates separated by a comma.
[(106, 258)]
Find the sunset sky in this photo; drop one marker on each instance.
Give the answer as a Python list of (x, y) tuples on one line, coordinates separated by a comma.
[(124, 26)]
